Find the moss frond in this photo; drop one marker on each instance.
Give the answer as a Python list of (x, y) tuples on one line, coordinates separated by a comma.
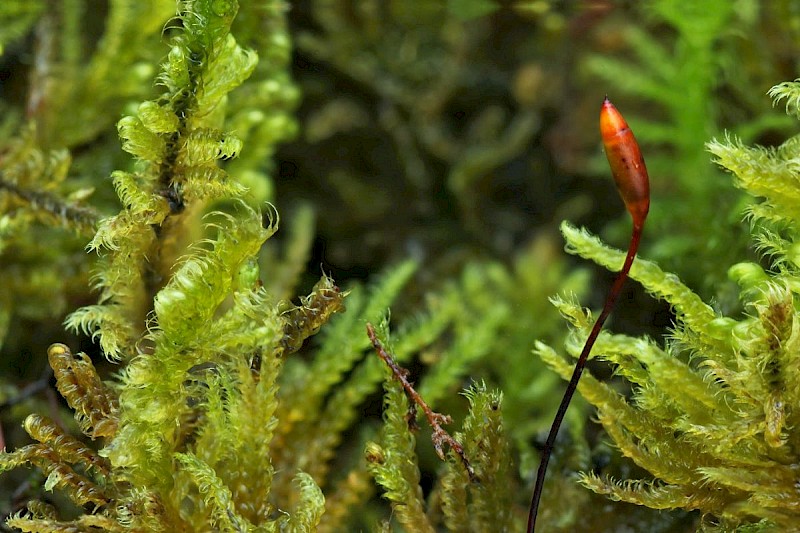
[(693, 311), (178, 142), (312, 313), (765, 172), (33, 522), (55, 455), (203, 280), (653, 494), (320, 412), (186, 305), (189, 423), (393, 462), (310, 505), (473, 490), (790, 92), (216, 495), (486, 445), (95, 404)]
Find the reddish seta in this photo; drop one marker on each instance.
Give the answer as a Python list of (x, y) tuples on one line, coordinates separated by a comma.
[(630, 175)]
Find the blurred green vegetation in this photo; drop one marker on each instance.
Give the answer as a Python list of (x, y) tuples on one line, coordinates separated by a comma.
[(422, 154)]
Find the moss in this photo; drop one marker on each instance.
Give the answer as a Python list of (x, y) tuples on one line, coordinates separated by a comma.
[(712, 413), (228, 384)]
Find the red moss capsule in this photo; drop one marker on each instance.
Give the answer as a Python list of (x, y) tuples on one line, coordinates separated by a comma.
[(626, 162), (627, 167)]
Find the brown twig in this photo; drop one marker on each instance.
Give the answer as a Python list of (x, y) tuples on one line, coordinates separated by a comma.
[(30, 390), (440, 437), (69, 215)]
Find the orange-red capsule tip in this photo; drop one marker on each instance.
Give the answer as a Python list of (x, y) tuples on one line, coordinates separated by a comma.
[(626, 162), (612, 123)]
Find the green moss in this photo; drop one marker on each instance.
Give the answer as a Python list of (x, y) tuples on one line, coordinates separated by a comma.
[(230, 385)]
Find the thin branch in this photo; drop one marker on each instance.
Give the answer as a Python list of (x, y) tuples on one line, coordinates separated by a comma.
[(440, 437), (83, 219), (30, 390)]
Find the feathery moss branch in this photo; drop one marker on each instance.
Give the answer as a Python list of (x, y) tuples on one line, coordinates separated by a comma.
[(440, 436)]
